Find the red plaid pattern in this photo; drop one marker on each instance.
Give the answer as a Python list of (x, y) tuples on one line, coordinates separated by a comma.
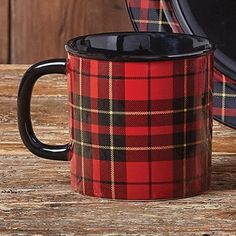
[(140, 130), (224, 99), (158, 15), (153, 15)]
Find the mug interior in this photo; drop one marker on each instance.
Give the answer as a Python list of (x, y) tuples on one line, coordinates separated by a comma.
[(138, 46)]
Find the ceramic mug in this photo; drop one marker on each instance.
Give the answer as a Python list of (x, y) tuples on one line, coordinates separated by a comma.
[(140, 109)]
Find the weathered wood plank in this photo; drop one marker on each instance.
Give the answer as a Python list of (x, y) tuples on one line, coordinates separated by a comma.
[(35, 194), (36, 198), (41, 28), (4, 27)]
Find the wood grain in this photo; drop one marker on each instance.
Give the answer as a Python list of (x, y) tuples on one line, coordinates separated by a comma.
[(35, 194), (41, 28), (4, 27)]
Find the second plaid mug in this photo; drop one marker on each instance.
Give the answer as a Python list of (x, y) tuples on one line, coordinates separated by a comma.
[(140, 114)]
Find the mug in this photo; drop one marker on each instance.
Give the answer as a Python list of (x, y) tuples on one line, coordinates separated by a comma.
[(140, 114)]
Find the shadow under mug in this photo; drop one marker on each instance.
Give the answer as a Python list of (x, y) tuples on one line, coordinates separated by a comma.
[(140, 108)]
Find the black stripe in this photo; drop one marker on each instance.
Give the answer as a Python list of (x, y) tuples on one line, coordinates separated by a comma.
[(140, 77), (119, 104)]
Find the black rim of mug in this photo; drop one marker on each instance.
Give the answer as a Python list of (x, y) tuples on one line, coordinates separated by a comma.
[(79, 46)]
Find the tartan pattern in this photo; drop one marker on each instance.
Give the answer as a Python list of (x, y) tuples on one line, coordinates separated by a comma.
[(224, 99), (158, 15), (140, 130), (153, 15)]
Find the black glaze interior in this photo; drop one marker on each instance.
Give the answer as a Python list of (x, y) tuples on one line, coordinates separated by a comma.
[(216, 20), (138, 46)]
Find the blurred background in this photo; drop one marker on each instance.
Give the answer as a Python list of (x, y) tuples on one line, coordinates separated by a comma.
[(34, 30)]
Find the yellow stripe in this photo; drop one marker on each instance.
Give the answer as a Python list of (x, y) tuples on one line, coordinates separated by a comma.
[(111, 132), (141, 148), (155, 22), (139, 113), (160, 17), (225, 95)]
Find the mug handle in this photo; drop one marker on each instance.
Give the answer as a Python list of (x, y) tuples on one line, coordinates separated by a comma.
[(52, 66)]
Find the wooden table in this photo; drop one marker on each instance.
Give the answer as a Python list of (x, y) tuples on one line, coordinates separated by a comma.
[(35, 194)]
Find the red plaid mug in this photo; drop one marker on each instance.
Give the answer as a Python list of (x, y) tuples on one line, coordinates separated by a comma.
[(140, 114)]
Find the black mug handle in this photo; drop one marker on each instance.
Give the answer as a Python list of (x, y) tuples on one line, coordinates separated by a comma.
[(53, 66)]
